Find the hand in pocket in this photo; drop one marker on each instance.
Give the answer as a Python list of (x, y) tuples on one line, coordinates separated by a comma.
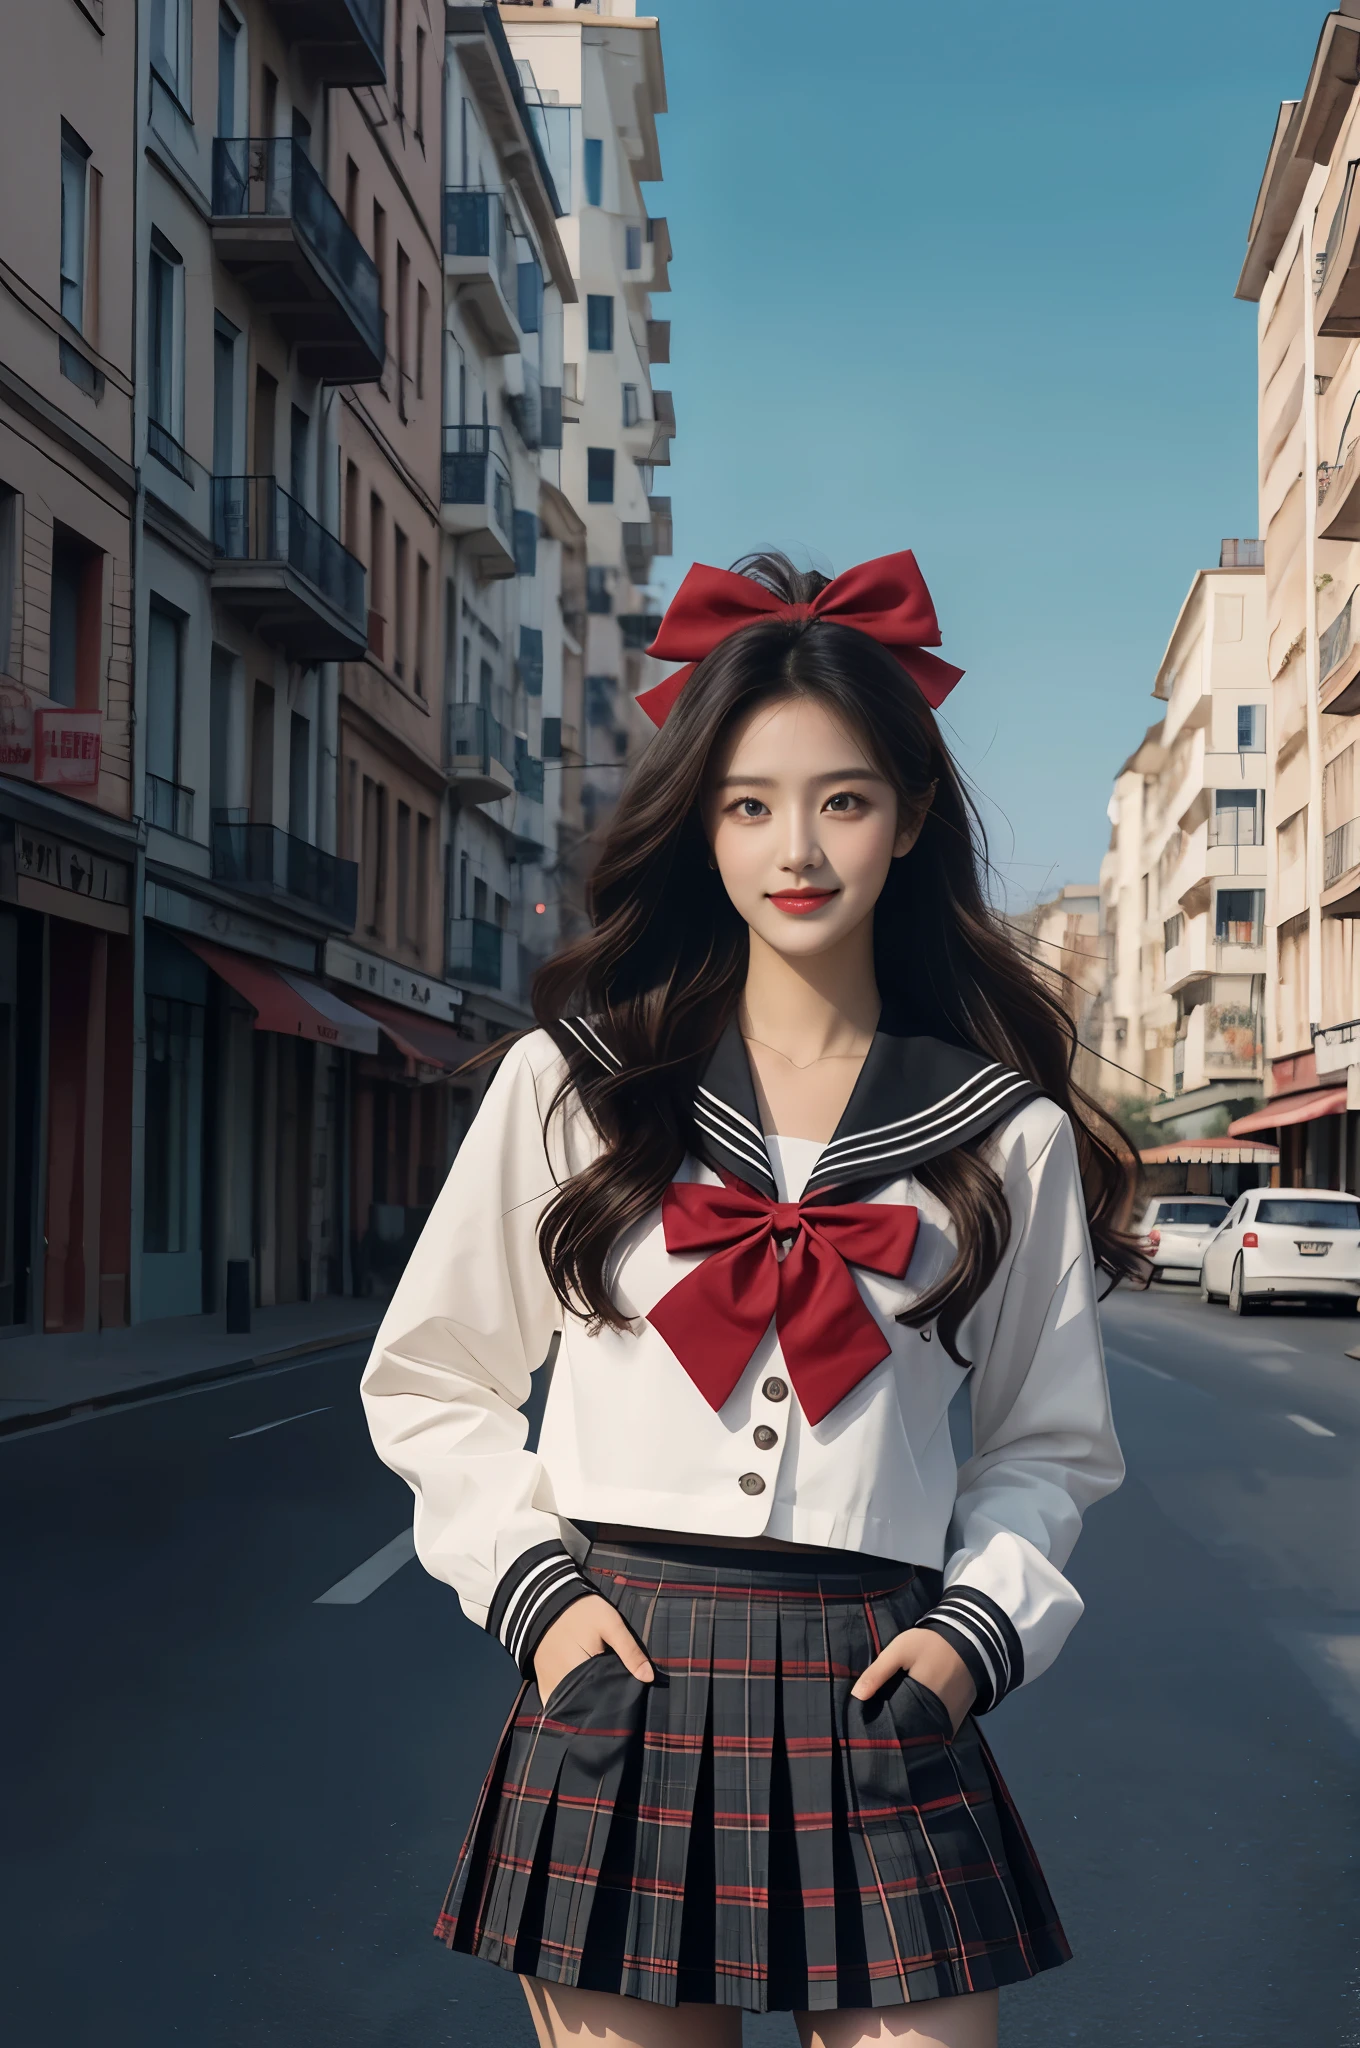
[(588, 1627), (932, 1663)]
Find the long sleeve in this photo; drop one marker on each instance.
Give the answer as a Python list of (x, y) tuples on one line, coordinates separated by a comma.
[(472, 1318), (1044, 1446)]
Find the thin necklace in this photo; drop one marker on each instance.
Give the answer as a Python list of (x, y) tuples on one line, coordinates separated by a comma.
[(801, 1068)]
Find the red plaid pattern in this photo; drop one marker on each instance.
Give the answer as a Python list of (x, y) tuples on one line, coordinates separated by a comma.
[(743, 1832)]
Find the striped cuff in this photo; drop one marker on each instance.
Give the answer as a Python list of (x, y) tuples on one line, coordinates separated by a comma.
[(984, 1636), (540, 1585)]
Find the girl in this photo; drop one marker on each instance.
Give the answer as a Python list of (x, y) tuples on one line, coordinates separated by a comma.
[(794, 1154)]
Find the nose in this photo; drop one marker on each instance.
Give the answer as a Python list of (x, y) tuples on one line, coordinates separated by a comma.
[(802, 848)]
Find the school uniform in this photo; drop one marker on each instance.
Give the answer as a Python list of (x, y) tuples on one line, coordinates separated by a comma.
[(742, 1831)]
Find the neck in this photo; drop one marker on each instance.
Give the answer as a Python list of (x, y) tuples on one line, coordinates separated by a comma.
[(810, 1008)]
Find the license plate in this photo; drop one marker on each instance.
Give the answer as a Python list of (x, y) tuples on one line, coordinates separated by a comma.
[(1311, 1249)]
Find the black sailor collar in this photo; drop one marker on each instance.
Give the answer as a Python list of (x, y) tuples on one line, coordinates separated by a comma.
[(915, 1099)]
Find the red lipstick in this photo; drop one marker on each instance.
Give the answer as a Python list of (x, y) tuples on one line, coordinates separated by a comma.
[(798, 902)]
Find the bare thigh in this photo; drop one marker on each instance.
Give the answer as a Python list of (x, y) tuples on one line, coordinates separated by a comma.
[(967, 2022), (565, 2018)]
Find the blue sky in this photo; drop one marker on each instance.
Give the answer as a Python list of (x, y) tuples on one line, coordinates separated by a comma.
[(962, 281)]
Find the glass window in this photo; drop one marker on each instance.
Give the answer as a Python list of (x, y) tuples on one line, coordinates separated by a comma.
[(1191, 1212), (171, 42), (1239, 916), (597, 590), (9, 582), (599, 322), (600, 476), (632, 248), (224, 397), (228, 29), (163, 657), (594, 173), (174, 1069), (1172, 928), (632, 412), (164, 316), (1239, 817), (1315, 1215), (68, 564), (1251, 728), (75, 168)]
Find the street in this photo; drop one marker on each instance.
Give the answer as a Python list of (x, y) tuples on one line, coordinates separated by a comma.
[(234, 1806)]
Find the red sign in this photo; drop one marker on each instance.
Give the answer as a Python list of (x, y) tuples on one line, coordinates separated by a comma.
[(16, 734), (66, 748)]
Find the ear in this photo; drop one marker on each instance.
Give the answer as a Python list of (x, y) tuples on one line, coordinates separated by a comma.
[(912, 828)]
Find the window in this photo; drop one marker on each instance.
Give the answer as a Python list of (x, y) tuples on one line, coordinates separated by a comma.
[(174, 1080), (403, 873), (75, 170), (224, 397), (1239, 818), (221, 696), (530, 296), (9, 573), (400, 612), (399, 59), (526, 543), (420, 88), (1239, 917), (479, 901), (380, 251), (403, 327), (228, 30), (352, 193), (597, 590), (594, 173), (262, 756), (600, 476), (632, 248), (422, 332), (599, 322), (374, 854), (351, 534), (300, 776), (377, 575), (422, 625), (299, 447), (74, 631), (1171, 931), (165, 354), (1251, 728), (164, 690), (171, 46), (632, 412), (422, 916)]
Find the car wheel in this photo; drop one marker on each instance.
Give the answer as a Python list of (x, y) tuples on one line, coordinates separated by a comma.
[(1238, 1301), (1205, 1295)]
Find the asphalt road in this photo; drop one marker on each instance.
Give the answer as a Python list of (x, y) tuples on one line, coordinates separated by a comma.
[(232, 1807)]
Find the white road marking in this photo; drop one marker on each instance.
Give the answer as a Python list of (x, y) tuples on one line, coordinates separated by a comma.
[(1127, 1358), (1275, 1365), (375, 1571), (260, 1428), (1307, 1422)]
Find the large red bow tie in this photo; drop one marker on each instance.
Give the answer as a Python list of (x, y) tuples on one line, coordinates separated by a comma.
[(886, 599), (714, 1318)]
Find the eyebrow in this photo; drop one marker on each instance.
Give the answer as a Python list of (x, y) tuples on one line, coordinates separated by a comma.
[(831, 775)]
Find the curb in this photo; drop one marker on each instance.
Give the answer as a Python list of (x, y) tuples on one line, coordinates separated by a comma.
[(236, 1368)]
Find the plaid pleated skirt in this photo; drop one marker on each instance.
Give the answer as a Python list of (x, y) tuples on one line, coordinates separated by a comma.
[(742, 1832)]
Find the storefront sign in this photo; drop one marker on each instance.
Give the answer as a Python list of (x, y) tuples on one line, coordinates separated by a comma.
[(16, 734), (379, 977), (66, 749), (73, 868)]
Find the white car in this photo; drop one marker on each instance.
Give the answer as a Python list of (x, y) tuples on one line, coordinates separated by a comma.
[(1282, 1244), (1175, 1230)]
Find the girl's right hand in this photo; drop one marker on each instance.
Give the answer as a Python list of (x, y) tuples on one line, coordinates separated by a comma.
[(588, 1627)]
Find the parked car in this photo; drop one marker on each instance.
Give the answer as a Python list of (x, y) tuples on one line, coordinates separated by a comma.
[(1283, 1244), (1175, 1230)]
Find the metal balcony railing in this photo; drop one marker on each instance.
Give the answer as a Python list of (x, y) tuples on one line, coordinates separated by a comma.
[(255, 520), (263, 860), (474, 471), (475, 225), (1340, 852), (475, 950), (472, 734), (1335, 644), (639, 629), (169, 806), (275, 176), (345, 37)]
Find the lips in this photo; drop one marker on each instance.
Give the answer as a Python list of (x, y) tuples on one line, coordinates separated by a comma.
[(798, 902)]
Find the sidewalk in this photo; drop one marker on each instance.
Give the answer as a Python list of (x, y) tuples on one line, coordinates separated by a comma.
[(46, 1379)]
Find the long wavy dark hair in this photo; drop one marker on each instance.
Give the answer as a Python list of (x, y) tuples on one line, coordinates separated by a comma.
[(662, 969)]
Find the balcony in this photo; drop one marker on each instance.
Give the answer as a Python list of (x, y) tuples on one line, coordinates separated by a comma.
[(476, 501), (1341, 870), (663, 429), (639, 629), (528, 771), (663, 533), (279, 570), (277, 228), (1339, 663), (343, 38), (479, 256), (168, 806), (479, 754), (263, 860), (658, 341), (524, 400), (476, 951), (1336, 285), (639, 547), (1338, 486)]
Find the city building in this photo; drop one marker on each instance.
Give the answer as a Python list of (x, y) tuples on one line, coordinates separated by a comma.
[(1064, 938), (70, 837), (1302, 270), (1183, 884), (596, 83)]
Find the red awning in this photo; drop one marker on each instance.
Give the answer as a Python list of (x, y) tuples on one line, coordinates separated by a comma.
[(1291, 1109), (288, 1002), (427, 1040)]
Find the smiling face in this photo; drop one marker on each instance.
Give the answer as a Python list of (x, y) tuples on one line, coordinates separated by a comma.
[(803, 826)]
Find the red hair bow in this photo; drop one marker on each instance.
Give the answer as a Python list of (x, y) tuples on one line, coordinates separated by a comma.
[(886, 599)]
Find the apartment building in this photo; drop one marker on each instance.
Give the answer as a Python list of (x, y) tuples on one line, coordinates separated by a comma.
[(1063, 937), (1183, 884), (69, 837), (595, 80), (1302, 270)]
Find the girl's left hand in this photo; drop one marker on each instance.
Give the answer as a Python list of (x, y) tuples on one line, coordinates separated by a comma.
[(931, 1661)]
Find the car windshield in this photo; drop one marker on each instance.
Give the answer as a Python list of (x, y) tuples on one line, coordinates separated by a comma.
[(1191, 1212), (1310, 1215)]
